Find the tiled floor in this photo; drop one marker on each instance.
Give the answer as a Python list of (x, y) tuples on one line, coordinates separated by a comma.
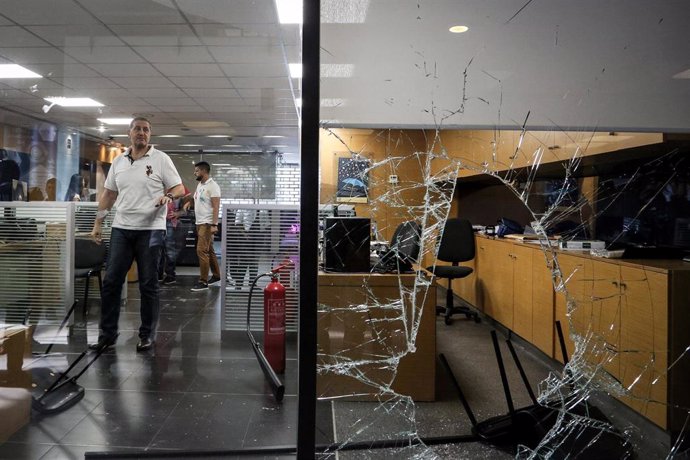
[(198, 390)]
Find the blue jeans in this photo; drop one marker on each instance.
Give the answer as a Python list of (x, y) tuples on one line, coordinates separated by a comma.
[(126, 246), (168, 259)]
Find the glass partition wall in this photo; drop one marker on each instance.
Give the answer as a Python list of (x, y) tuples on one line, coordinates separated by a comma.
[(528, 121)]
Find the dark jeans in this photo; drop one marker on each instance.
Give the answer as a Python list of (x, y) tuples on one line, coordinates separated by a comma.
[(169, 252), (126, 246)]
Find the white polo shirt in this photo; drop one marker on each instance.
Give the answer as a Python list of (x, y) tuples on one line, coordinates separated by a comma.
[(139, 185), (203, 209)]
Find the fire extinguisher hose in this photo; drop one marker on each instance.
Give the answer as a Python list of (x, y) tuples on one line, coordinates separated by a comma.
[(277, 386)]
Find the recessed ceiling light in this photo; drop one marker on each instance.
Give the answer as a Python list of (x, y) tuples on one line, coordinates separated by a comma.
[(231, 145), (289, 11), (295, 70), (16, 71), (298, 102), (119, 135), (459, 29), (190, 145), (169, 135), (115, 121), (219, 136), (272, 136), (74, 101)]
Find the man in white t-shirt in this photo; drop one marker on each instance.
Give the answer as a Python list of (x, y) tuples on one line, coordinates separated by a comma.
[(206, 207), (140, 184)]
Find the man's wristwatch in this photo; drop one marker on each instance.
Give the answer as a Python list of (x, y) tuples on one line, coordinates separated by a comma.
[(170, 195)]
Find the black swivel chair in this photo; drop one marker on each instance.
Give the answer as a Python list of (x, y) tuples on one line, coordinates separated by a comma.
[(404, 250), (457, 245), (89, 258)]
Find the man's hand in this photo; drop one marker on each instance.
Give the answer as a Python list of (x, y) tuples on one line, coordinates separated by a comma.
[(214, 228), (187, 206), (164, 200), (96, 232)]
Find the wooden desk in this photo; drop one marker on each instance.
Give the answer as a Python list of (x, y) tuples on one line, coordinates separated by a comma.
[(366, 329)]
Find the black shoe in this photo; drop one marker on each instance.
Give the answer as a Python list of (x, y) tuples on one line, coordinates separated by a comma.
[(145, 344), (200, 286), (102, 344), (212, 281), (169, 280)]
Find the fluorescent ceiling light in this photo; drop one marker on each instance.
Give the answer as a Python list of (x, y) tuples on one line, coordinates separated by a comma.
[(231, 145), (74, 101), (115, 121), (337, 70), (190, 145), (344, 11), (295, 70), (16, 71), (119, 135), (298, 102), (272, 136), (220, 164), (458, 29), (219, 136), (289, 11), (169, 135)]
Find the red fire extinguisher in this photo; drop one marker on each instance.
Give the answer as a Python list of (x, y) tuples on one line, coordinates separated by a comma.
[(274, 323)]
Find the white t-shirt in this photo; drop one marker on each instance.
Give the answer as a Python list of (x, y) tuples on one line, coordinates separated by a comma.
[(203, 209), (139, 185)]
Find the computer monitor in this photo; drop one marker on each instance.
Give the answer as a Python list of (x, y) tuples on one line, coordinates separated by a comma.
[(346, 244)]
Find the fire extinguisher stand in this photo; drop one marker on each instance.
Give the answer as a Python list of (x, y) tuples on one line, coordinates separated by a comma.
[(277, 386)]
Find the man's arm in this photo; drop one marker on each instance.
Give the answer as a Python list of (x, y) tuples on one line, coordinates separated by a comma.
[(108, 198), (172, 194), (215, 202)]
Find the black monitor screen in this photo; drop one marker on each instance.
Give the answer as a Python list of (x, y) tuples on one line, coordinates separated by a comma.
[(346, 244)]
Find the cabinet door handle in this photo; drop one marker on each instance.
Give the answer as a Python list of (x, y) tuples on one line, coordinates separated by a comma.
[(624, 286), (615, 283)]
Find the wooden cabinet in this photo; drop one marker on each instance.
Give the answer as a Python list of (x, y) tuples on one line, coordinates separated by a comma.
[(514, 287)]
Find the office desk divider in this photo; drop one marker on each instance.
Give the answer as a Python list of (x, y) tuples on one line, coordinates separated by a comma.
[(37, 260)]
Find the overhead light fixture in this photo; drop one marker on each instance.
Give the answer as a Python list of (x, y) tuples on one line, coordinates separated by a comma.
[(332, 102), (190, 145), (272, 136), (73, 101), (289, 11), (169, 135), (295, 70), (344, 11), (115, 121), (337, 70), (459, 29), (119, 135), (231, 145), (16, 71), (218, 136)]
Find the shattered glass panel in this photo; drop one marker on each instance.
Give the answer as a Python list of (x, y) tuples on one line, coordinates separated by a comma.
[(580, 208)]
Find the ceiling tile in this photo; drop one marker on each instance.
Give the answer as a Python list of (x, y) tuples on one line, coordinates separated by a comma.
[(35, 55), (67, 69), (254, 70), (217, 11), (104, 54), (158, 35), (88, 83), (164, 101), (157, 92), (36, 12), (199, 70), (175, 54), (282, 82), (247, 54), (237, 34), (193, 82), (143, 82), (16, 36), (127, 12), (76, 35), (126, 70), (199, 93)]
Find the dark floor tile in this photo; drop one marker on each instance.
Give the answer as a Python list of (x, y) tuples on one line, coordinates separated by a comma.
[(120, 403), (25, 451), (49, 429), (194, 433), (77, 452), (121, 431)]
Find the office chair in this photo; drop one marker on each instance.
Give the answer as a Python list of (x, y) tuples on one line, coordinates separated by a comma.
[(89, 258), (403, 252), (457, 245)]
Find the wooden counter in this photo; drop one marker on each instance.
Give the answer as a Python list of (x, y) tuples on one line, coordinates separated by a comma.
[(365, 326)]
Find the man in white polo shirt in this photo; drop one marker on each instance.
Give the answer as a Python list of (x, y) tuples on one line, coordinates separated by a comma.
[(206, 207), (140, 183)]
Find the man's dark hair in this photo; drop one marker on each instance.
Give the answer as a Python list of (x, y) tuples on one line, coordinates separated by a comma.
[(135, 119), (203, 165)]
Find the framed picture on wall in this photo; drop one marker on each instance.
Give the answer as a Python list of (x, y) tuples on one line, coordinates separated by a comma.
[(353, 180)]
